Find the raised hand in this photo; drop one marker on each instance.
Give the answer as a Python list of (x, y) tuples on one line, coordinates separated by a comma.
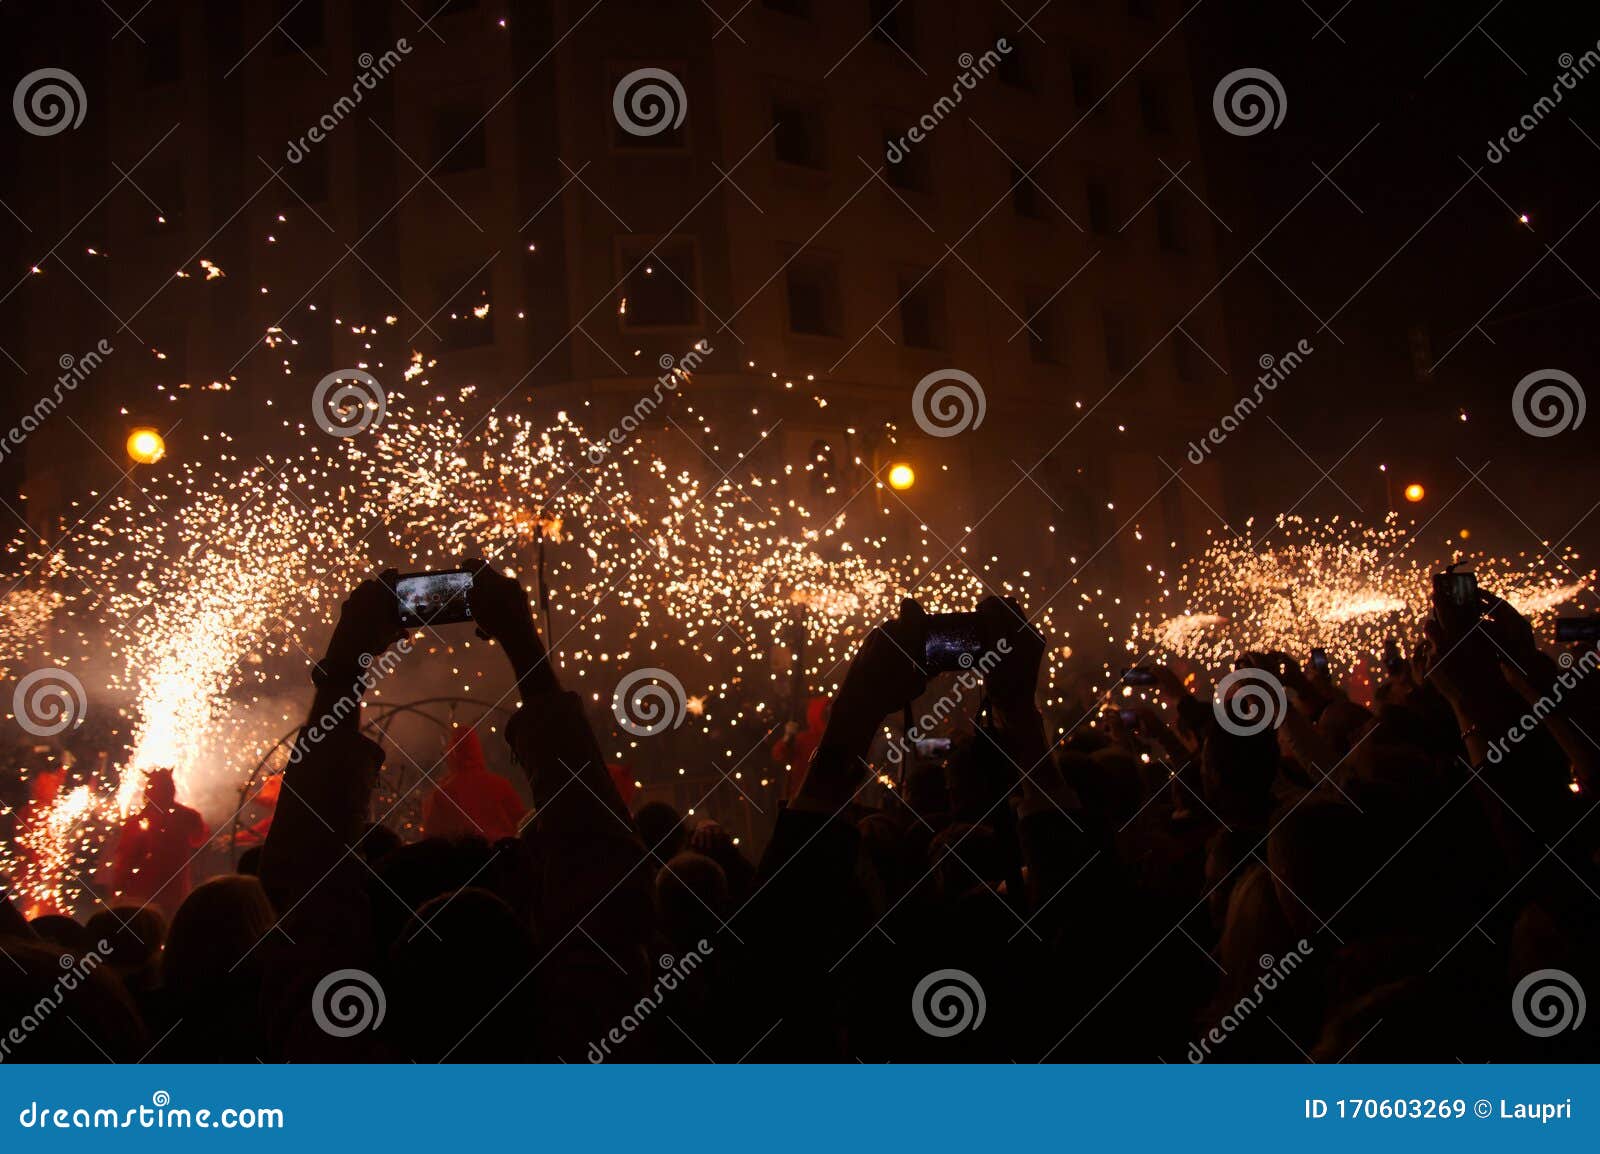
[(501, 609), (369, 622), (1012, 681), (885, 674)]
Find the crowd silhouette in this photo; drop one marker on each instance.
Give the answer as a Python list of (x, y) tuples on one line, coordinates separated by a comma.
[(1349, 883)]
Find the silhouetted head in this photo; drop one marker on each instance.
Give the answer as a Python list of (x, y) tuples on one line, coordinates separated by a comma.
[(661, 826), (62, 931), (214, 931), (135, 936), (691, 897), (459, 982), (95, 1019), (159, 788)]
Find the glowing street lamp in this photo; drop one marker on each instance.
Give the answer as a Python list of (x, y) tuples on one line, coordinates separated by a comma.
[(1415, 492), (146, 446), (901, 477)]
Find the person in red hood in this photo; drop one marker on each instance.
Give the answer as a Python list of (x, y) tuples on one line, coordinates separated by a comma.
[(158, 843), (795, 749), (470, 801)]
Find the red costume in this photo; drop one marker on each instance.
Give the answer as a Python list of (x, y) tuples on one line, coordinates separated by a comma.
[(157, 845), (795, 751), (470, 801)]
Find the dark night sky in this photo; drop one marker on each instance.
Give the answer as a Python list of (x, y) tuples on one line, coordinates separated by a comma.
[(1410, 238)]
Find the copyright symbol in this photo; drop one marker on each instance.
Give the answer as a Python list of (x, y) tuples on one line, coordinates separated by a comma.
[(1482, 1108)]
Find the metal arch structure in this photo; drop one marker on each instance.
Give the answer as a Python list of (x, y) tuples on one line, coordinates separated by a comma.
[(376, 728)]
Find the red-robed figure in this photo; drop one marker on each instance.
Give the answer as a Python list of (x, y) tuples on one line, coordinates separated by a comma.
[(158, 843), (470, 800)]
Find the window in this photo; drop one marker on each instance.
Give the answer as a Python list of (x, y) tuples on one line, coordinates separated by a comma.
[(1116, 331), (799, 9), (459, 144), (922, 310), (1025, 197), (298, 27), (1169, 226), (812, 284), (892, 24), (913, 170), (1100, 209), (1155, 109), (466, 319), (661, 289), (309, 178), (1085, 87), (163, 51), (799, 136), (1044, 341)]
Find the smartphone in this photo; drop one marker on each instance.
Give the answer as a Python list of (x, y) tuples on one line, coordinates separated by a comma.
[(1578, 628), (1128, 717), (1392, 661), (1457, 589), (954, 641), (933, 746), (1319, 659), (1138, 676), (426, 599)]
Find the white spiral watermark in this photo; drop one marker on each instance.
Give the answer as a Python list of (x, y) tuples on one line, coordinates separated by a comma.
[(49, 701), (947, 1002), (357, 402), (648, 702), (1546, 1002), (648, 101), (958, 404), (1249, 100), (48, 101), (1249, 701), (1553, 407), (347, 1002)]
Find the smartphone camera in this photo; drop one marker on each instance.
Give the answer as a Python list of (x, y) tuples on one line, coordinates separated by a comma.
[(1319, 659), (953, 641), (428, 599), (1458, 591), (1138, 676)]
